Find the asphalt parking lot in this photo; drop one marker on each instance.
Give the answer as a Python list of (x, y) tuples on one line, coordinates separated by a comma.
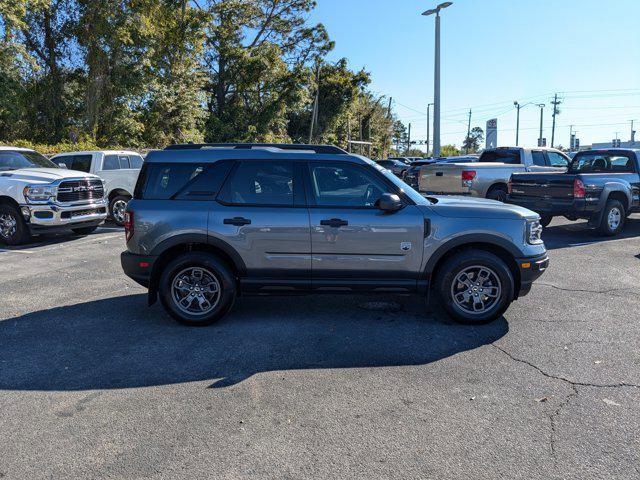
[(94, 384)]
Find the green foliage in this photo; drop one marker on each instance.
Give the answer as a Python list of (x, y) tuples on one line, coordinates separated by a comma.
[(449, 151), (474, 140)]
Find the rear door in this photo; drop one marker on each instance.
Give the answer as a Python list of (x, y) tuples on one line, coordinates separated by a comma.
[(354, 243), (261, 214)]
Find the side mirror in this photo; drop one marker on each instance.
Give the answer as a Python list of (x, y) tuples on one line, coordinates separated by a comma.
[(389, 202)]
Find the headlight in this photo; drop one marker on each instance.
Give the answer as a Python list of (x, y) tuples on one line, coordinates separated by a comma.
[(534, 232), (40, 193)]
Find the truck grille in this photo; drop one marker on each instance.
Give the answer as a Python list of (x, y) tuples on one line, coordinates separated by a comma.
[(80, 190)]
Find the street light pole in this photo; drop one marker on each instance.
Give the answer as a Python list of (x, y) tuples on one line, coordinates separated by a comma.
[(517, 121), (541, 105), (436, 78), (428, 117)]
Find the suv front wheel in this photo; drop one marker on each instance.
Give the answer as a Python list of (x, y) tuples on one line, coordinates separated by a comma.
[(197, 288), (475, 286)]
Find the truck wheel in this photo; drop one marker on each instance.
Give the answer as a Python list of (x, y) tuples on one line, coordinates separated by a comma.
[(84, 230), (613, 218), (545, 220), (197, 289), (117, 207), (497, 193), (475, 286), (13, 228)]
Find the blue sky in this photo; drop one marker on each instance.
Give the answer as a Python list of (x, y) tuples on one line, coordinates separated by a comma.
[(495, 52)]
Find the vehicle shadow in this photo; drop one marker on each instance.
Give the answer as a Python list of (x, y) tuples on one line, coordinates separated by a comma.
[(577, 233), (44, 240), (121, 343)]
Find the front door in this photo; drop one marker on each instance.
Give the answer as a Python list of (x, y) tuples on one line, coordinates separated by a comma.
[(354, 243), (261, 215)]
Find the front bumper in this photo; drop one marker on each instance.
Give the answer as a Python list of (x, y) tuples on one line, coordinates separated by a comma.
[(531, 268), (49, 217), (138, 267)]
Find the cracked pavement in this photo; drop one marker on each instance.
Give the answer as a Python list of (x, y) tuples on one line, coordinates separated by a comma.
[(94, 384)]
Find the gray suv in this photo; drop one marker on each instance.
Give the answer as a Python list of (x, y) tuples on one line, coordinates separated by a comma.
[(211, 222)]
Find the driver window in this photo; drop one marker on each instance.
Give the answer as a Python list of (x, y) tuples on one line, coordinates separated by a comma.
[(557, 160), (344, 186)]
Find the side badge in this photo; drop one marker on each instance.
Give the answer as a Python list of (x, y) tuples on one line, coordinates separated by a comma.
[(405, 246)]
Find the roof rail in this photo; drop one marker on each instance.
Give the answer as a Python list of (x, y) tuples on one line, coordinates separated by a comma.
[(248, 146)]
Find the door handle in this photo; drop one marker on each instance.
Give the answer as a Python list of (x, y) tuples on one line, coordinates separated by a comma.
[(237, 221), (334, 222)]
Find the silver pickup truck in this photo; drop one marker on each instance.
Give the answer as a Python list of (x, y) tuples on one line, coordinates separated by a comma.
[(489, 176)]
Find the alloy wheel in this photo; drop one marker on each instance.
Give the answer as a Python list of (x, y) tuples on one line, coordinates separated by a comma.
[(476, 289), (614, 218), (118, 210), (196, 291), (8, 225)]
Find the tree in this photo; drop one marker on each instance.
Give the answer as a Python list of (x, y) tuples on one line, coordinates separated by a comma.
[(449, 151), (474, 140)]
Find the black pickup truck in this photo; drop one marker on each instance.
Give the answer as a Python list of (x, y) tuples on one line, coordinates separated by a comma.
[(602, 186)]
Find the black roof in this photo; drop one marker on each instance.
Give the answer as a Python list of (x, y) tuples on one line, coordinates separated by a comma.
[(325, 149)]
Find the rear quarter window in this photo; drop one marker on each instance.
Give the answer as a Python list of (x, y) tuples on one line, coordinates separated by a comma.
[(181, 181), (501, 156)]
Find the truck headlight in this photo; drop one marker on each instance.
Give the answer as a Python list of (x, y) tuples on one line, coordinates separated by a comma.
[(534, 232), (39, 193)]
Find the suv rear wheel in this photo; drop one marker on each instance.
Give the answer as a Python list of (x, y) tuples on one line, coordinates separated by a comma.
[(475, 286), (197, 289)]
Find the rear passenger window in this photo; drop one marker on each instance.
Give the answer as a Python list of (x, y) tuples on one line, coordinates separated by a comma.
[(111, 162), (260, 183), (184, 181), (538, 159)]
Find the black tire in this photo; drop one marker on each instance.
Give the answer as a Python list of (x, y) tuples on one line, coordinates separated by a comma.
[(545, 220), (497, 192), (84, 230), (471, 259), (13, 228), (212, 267), (607, 227), (116, 214)]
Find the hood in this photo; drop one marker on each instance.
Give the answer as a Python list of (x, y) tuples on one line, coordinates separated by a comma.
[(43, 175), (470, 207)]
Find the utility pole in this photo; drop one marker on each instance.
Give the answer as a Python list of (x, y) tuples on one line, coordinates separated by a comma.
[(349, 133), (409, 138), (571, 138), (555, 104), (541, 105), (466, 149), (314, 115), (633, 134), (428, 117)]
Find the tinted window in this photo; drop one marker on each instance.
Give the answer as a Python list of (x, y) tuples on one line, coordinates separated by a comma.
[(503, 156), (135, 161), (556, 160), (183, 181), (81, 163), (594, 162), (111, 162), (538, 159), (345, 186), (260, 183)]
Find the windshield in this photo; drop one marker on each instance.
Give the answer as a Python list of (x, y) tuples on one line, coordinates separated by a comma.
[(594, 162), (14, 160), (406, 189)]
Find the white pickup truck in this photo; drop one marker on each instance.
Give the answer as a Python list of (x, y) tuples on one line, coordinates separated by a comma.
[(119, 169), (489, 176), (36, 197)]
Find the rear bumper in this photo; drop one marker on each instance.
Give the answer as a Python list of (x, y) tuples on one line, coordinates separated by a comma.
[(138, 267), (579, 208), (531, 268)]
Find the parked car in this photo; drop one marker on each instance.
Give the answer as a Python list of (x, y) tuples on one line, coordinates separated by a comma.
[(119, 169), (488, 177), (412, 175), (207, 224), (602, 186), (396, 166), (38, 197)]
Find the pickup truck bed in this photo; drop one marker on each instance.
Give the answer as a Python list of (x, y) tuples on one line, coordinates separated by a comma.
[(594, 181)]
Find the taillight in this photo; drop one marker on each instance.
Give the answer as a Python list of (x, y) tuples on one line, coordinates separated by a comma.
[(509, 187), (128, 225), (468, 175), (578, 189)]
